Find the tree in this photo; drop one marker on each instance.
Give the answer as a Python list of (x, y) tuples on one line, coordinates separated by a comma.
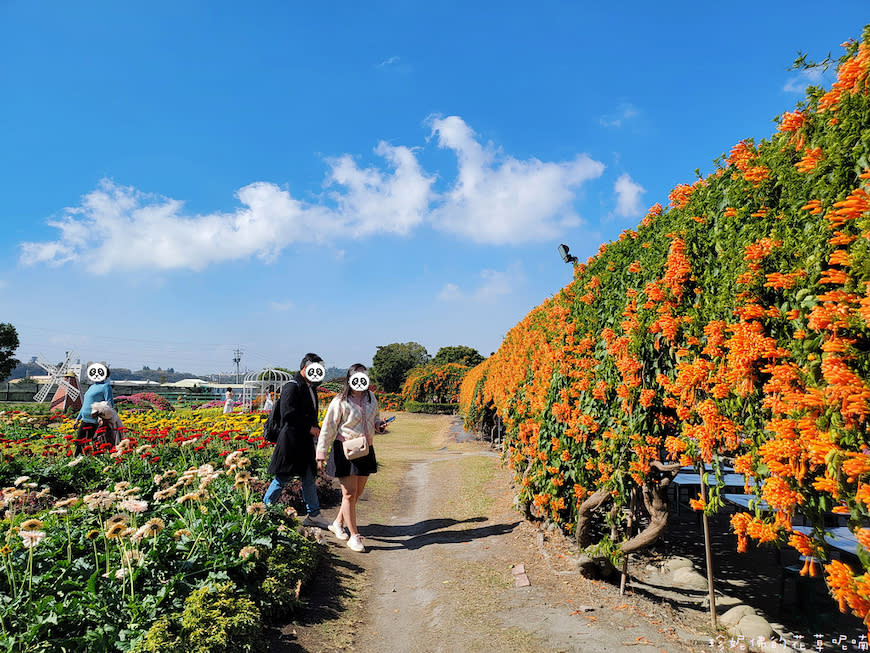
[(459, 354), (8, 345), (391, 364)]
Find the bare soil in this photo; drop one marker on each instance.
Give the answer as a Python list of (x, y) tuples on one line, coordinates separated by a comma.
[(444, 543)]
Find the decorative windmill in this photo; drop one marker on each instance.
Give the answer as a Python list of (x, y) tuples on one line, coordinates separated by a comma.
[(57, 377)]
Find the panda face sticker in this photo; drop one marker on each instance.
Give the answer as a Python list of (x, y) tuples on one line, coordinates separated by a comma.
[(315, 372), (97, 373), (359, 381)]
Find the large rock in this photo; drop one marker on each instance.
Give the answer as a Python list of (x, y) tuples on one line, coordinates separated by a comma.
[(752, 627), (688, 579), (735, 614), (677, 562)]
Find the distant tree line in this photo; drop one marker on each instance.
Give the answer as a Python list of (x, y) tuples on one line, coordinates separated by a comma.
[(392, 363)]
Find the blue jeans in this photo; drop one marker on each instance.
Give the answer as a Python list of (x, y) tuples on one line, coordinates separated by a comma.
[(309, 491)]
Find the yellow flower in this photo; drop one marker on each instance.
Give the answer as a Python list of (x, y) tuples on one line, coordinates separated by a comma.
[(258, 508), (168, 493), (31, 525), (116, 530), (155, 525), (182, 532), (92, 534), (120, 518)]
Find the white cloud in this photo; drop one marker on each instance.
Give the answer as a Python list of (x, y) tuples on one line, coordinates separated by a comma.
[(798, 83), (616, 119), (372, 201), (495, 199), (118, 227), (628, 196), (281, 306), (389, 62), (499, 199), (450, 292), (493, 285)]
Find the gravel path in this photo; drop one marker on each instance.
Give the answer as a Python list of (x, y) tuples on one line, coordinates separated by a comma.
[(444, 545)]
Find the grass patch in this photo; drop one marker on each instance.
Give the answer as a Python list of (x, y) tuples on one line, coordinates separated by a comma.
[(396, 450), (471, 476), (481, 596)]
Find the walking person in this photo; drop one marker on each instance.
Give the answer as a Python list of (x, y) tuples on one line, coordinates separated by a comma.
[(268, 402), (352, 413), (229, 401), (298, 431)]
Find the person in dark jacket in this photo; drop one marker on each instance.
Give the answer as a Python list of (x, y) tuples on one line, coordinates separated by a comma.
[(294, 450)]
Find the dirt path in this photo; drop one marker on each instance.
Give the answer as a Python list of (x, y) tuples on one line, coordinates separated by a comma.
[(444, 545)]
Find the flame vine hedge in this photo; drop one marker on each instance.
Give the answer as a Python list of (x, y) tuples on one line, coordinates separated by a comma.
[(434, 383), (734, 325)]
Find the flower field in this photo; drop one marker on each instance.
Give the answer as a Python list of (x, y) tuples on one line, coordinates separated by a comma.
[(731, 327), (159, 544)]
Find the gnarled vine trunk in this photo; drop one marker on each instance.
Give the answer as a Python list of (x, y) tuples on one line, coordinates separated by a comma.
[(655, 499)]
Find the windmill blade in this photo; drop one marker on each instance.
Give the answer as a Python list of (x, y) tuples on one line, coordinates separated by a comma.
[(66, 364), (43, 392), (55, 377), (44, 364), (72, 391)]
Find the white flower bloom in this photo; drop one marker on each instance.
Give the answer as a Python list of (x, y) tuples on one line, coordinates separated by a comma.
[(134, 505), (100, 500), (31, 538)]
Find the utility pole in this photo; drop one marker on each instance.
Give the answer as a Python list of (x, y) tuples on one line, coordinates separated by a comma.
[(237, 358)]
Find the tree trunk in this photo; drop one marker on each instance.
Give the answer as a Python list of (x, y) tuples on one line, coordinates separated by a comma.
[(655, 498), (527, 507), (584, 514)]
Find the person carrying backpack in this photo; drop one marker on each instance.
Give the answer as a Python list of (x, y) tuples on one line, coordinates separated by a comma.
[(298, 430)]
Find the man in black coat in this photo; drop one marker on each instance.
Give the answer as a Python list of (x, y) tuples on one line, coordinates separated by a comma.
[(294, 454)]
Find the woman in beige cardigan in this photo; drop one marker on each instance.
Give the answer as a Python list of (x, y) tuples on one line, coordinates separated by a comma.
[(352, 413)]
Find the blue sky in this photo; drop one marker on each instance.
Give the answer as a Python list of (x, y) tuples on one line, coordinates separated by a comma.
[(181, 178)]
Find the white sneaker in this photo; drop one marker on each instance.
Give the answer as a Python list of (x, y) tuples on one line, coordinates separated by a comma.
[(355, 543), (338, 530)]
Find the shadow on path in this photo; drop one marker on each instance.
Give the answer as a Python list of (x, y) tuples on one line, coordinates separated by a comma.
[(430, 531), (756, 578), (326, 599)]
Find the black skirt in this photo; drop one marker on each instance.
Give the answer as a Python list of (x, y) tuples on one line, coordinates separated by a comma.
[(339, 466)]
